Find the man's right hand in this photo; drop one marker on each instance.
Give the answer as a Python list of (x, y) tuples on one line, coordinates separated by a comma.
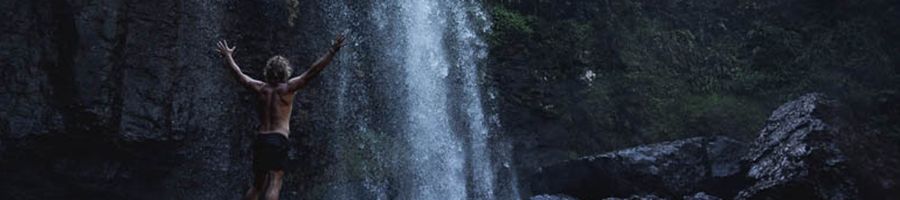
[(224, 49)]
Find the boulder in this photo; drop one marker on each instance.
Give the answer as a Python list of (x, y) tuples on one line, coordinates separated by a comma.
[(797, 154), (637, 197), (806, 150), (552, 197), (669, 169), (811, 149), (701, 196)]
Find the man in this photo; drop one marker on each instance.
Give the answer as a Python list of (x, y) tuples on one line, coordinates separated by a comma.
[(276, 96)]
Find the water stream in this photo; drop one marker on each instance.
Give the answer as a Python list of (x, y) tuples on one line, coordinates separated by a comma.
[(418, 60)]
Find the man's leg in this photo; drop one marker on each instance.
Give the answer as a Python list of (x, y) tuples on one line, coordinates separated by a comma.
[(274, 184), (259, 184)]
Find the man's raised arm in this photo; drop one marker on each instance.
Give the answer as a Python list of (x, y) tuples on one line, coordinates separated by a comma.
[(298, 82), (245, 80)]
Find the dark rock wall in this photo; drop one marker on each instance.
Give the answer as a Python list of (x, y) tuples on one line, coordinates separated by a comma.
[(579, 77), (127, 99)]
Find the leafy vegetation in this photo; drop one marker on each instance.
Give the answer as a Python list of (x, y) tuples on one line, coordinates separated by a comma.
[(612, 74)]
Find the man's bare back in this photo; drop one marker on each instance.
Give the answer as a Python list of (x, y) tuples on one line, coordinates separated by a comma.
[(275, 105), (276, 98)]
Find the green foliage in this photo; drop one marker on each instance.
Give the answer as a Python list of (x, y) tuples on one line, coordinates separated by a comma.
[(669, 71), (715, 114), (509, 26)]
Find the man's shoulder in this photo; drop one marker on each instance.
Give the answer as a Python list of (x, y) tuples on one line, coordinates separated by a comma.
[(283, 89)]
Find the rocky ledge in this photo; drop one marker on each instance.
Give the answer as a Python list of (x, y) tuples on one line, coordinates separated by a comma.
[(667, 169), (804, 151)]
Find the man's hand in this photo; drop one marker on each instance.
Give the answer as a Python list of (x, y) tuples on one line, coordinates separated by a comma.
[(298, 82), (337, 43), (224, 49)]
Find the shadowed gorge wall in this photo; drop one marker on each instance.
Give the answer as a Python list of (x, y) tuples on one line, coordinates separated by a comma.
[(431, 99), (575, 78), (127, 99)]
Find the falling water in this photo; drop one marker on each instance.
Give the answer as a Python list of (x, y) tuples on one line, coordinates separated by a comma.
[(436, 157), (424, 58), (470, 49)]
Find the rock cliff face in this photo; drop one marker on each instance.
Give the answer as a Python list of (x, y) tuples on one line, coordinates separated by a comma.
[(581, 77), (805, 151), (126, 99)]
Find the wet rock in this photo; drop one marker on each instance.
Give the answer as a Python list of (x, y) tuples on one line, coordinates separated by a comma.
[(797, 154), (669, 169), (637, 197), (701, 196), (811, 149), (805, 151), (552, 197), (127, 100)]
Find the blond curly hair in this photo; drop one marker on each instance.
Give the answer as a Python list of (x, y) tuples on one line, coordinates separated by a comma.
[(278, 70)]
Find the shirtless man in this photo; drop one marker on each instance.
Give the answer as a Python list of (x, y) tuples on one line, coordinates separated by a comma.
[(276, 97)]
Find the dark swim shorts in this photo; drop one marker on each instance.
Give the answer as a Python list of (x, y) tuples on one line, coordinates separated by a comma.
[(270, 152)]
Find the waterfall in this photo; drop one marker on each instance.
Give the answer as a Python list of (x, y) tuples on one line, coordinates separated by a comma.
[(436, 158), (427, 138), (470, 50)]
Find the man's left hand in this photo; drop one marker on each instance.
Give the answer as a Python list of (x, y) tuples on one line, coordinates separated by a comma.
[(338, 42)]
